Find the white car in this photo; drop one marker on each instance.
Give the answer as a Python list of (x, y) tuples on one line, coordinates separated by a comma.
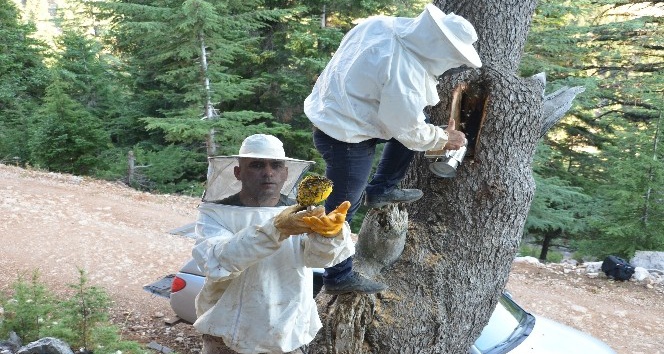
[(510, 328), (513, 330)]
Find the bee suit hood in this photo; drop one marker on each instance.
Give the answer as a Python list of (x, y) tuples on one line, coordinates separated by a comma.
[(439, 42), (385, 72)]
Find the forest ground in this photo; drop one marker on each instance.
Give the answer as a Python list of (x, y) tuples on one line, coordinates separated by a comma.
[(58, 223)]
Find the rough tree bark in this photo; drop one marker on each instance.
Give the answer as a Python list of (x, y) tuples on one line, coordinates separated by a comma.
[(464, 233)]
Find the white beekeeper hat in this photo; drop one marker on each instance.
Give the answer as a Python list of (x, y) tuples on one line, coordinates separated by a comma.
[(263, 146), (459, 31), (221, 181)]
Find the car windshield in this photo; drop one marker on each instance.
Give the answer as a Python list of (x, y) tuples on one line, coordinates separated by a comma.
[(508, 326)]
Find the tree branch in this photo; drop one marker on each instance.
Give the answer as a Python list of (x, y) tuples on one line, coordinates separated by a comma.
[(381, 239), (556, 104)]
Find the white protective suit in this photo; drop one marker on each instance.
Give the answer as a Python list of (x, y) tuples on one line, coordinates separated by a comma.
[(381, 78), (258, 290)]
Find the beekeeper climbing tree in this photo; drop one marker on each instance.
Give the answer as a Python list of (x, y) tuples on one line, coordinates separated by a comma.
[(446, 258)]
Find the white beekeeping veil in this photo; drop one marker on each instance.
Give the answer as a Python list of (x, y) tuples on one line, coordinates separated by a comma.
[(221, 181)]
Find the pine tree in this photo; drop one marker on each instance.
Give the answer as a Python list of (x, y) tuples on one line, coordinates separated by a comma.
[(96, 81), (559, 210), (67, 138), (631, 208), (183, 57), (23, 81), (614, 50)]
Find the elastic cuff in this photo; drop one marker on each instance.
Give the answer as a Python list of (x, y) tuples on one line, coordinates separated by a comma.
[(443, 138), (270, 231)]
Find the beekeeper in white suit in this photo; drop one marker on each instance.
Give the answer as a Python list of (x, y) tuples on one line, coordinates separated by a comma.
[(374, 90), (256, 253)]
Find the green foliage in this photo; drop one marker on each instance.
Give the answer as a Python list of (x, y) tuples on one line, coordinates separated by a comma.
[(84, 311), (295, 49), (23, 81), (77, 64), (554, 257), (614, 50), (95, 80), (33, 312), (173, 73), (611, 49), (557, 205), (228, 126), (67, 138), (299, 144), (631, 211), (174, 170), (170, 169), (528, 250), (194, 67), (28, 310)]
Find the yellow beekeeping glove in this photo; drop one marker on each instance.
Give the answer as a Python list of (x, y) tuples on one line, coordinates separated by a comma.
[(290, 221), (329, 225)]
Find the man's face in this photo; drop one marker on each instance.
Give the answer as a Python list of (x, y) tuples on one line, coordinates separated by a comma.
[(262, 179)]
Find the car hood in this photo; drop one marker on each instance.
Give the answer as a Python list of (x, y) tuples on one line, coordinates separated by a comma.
[(549, 337)]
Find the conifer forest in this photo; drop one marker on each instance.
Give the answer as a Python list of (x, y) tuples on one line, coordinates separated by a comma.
[(88, 86)]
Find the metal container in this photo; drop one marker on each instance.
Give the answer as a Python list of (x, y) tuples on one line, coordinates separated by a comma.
[(446, 166)]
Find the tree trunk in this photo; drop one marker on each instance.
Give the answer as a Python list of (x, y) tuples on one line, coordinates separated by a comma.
[(546, 243), (464, 233), (210, 112)]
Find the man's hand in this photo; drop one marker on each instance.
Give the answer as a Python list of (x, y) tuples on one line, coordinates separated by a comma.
[(329, 225), (290, 221), (455, 138)]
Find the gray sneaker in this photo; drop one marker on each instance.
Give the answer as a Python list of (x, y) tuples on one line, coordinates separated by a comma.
[(395, 196), (355, 283)]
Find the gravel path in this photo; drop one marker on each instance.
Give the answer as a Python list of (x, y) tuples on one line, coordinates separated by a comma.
[(57, 223)]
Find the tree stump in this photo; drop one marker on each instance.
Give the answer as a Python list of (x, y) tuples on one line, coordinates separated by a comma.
[(348, 319)]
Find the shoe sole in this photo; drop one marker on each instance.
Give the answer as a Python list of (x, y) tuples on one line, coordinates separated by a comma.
[(380, 205)]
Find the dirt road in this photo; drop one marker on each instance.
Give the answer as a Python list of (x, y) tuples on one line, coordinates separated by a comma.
[(58, 223)]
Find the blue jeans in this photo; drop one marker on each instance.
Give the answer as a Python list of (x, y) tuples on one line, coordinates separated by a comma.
[(349, 168)]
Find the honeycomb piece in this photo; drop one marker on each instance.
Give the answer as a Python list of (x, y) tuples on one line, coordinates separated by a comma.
[(313, 189)]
